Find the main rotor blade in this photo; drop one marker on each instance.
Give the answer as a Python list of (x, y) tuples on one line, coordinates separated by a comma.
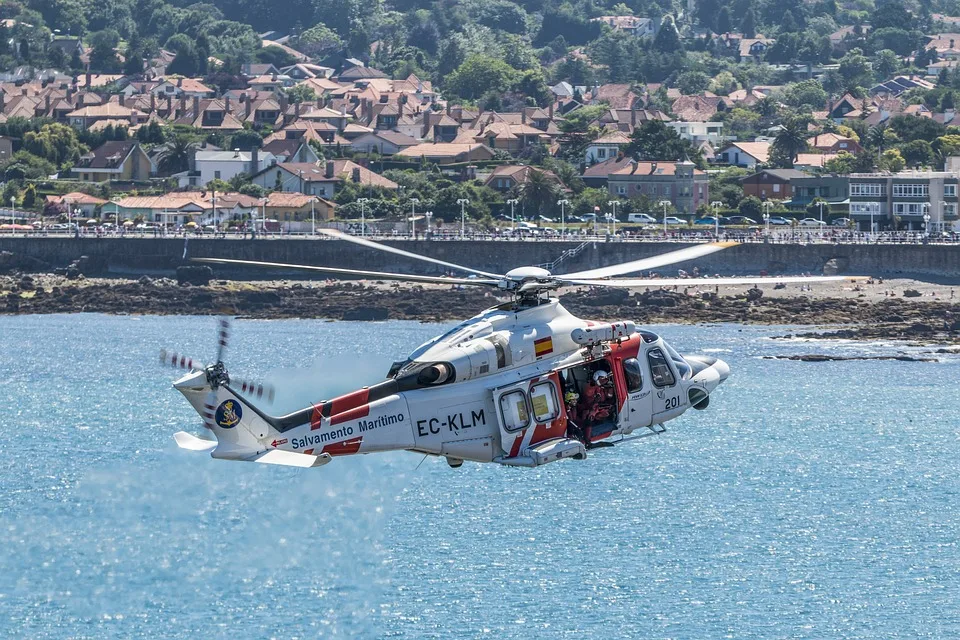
[(339, 235), (377, 275), (643, 264), (635, 283)]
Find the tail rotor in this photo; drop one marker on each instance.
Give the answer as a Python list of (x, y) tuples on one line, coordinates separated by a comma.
[(217, 375)]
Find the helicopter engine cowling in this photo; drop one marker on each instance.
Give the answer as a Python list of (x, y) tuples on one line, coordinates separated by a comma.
[(603, 332)]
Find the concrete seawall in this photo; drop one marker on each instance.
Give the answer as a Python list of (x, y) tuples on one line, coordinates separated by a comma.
[(130, 256)]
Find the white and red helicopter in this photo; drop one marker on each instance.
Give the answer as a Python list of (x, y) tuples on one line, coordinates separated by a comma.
[(524, 383)]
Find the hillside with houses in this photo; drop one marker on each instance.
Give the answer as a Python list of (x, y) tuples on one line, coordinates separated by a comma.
[(219, 113)]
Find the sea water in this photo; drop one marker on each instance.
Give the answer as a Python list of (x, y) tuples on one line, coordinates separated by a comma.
[(811, 500)]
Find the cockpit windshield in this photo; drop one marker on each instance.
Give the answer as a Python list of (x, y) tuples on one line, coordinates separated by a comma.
[(683, 368)]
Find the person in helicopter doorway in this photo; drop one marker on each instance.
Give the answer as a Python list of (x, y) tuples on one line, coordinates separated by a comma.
[(571, 400), (596, 408)]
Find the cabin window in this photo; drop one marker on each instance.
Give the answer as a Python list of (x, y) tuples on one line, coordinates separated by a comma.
[(513, 410), (633, 375), (543, 397), (659, 369)]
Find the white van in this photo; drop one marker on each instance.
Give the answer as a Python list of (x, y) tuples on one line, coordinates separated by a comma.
[(642, 218)]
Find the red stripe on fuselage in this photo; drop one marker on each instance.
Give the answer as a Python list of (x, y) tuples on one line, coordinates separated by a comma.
[(350, 401), (515, 449), (353, 414), (344, 448)]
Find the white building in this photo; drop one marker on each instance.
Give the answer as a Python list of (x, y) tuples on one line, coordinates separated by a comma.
[(605, 147), (697, 132), (224, 165)]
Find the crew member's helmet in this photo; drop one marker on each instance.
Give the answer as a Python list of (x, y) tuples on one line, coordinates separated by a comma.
[(571, 397), (600, 377)]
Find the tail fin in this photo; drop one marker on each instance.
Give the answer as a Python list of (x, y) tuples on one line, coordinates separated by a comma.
[(241, 431)]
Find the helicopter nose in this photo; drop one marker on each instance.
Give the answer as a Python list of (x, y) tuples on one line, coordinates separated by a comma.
[(723, 369)]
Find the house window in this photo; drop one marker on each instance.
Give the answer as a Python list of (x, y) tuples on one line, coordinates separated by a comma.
[(216, 175), (864, 208), (908, 208), (601, 153), (950, 190), (869, 190), (776, 187), (666, 190), (621, 190), (910, 190), (949, 211)]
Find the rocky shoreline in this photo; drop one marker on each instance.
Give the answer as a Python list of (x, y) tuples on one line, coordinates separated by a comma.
[(852, 315)]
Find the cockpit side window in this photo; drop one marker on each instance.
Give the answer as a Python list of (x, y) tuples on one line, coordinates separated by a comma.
[(633, 375), (659, 369)]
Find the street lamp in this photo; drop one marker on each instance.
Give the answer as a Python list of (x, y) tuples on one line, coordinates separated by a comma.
[(926, 224), (613, 204), (363, 218), (563, 220), (463, 202), (716, 204), (943, 210), (664, 204), (413, 215), (820, 226), (76, 213), (513, 217), (766, 222), (429, 215)]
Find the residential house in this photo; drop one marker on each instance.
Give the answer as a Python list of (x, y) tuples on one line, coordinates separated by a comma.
[(946, 45), (385, 143), (834, 143), (297, 212), (699, 108), (6, 149), (901, 84), (771, 184), (698, 132), (754, 48), (224, 165), (680, 183), (186, 87), (605, 147), (86, 203), (172, 208), (634, 25), (744, 154), (319, 180), (447, 152), (290, 150), (812, 161), (596, 176), (84, 117), (508, 177), (115, 160)]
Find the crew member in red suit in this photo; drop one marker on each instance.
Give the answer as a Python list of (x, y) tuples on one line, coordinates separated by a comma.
[(597, 402)]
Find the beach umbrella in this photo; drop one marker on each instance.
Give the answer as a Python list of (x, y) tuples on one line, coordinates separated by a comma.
[(191, 224), (92, 221), (127, 223)]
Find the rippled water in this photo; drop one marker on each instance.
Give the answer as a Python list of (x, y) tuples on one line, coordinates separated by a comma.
[(809, 501)]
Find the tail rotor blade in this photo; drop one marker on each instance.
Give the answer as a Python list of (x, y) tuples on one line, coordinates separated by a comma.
[(210, 409), (179, 361), (253, 389), (223, 338)]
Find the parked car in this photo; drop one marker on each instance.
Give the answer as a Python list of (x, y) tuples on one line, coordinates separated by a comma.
[(710, 220), (779, 220), (609, 217), (674, 220), (546, 219), (643, 218), (738, 220), (588, 217), (811, 222), (841, 222)]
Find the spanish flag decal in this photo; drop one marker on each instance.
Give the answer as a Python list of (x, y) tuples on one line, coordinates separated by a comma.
[(543, 346)]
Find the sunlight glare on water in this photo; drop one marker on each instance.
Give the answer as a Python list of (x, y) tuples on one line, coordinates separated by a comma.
[(811, 500)]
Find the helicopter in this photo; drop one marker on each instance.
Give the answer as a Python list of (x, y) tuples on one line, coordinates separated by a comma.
[(523, 383)]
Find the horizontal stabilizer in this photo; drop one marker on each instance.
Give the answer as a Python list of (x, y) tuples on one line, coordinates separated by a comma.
[(193, 443), (291, 459)]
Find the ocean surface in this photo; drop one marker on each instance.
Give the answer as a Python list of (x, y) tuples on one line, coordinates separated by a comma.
[(809, 501)]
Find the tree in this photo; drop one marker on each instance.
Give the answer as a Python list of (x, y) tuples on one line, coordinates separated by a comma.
[(891, 160), (691, 82), (246, 139), (30, 196), (917, 153), (855, 70), (539, 193), (479, 74), (301, 93), (667, 39), (751, 207), (841, 165), (178, 154), (808, 93), (654, 140), (103, 56), (319, 41), (724, 23), (275, 56), (885, 63), (55, 142), (791, 140), (749, 24)]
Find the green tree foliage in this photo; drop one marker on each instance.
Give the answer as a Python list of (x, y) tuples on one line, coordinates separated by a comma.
[(480, 74), (24, 165), (539, 194), (653, 140), (751, 207), (917, 153), (56, 143), (103, 57), (30, 196), (790, 141), (319, 40)]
